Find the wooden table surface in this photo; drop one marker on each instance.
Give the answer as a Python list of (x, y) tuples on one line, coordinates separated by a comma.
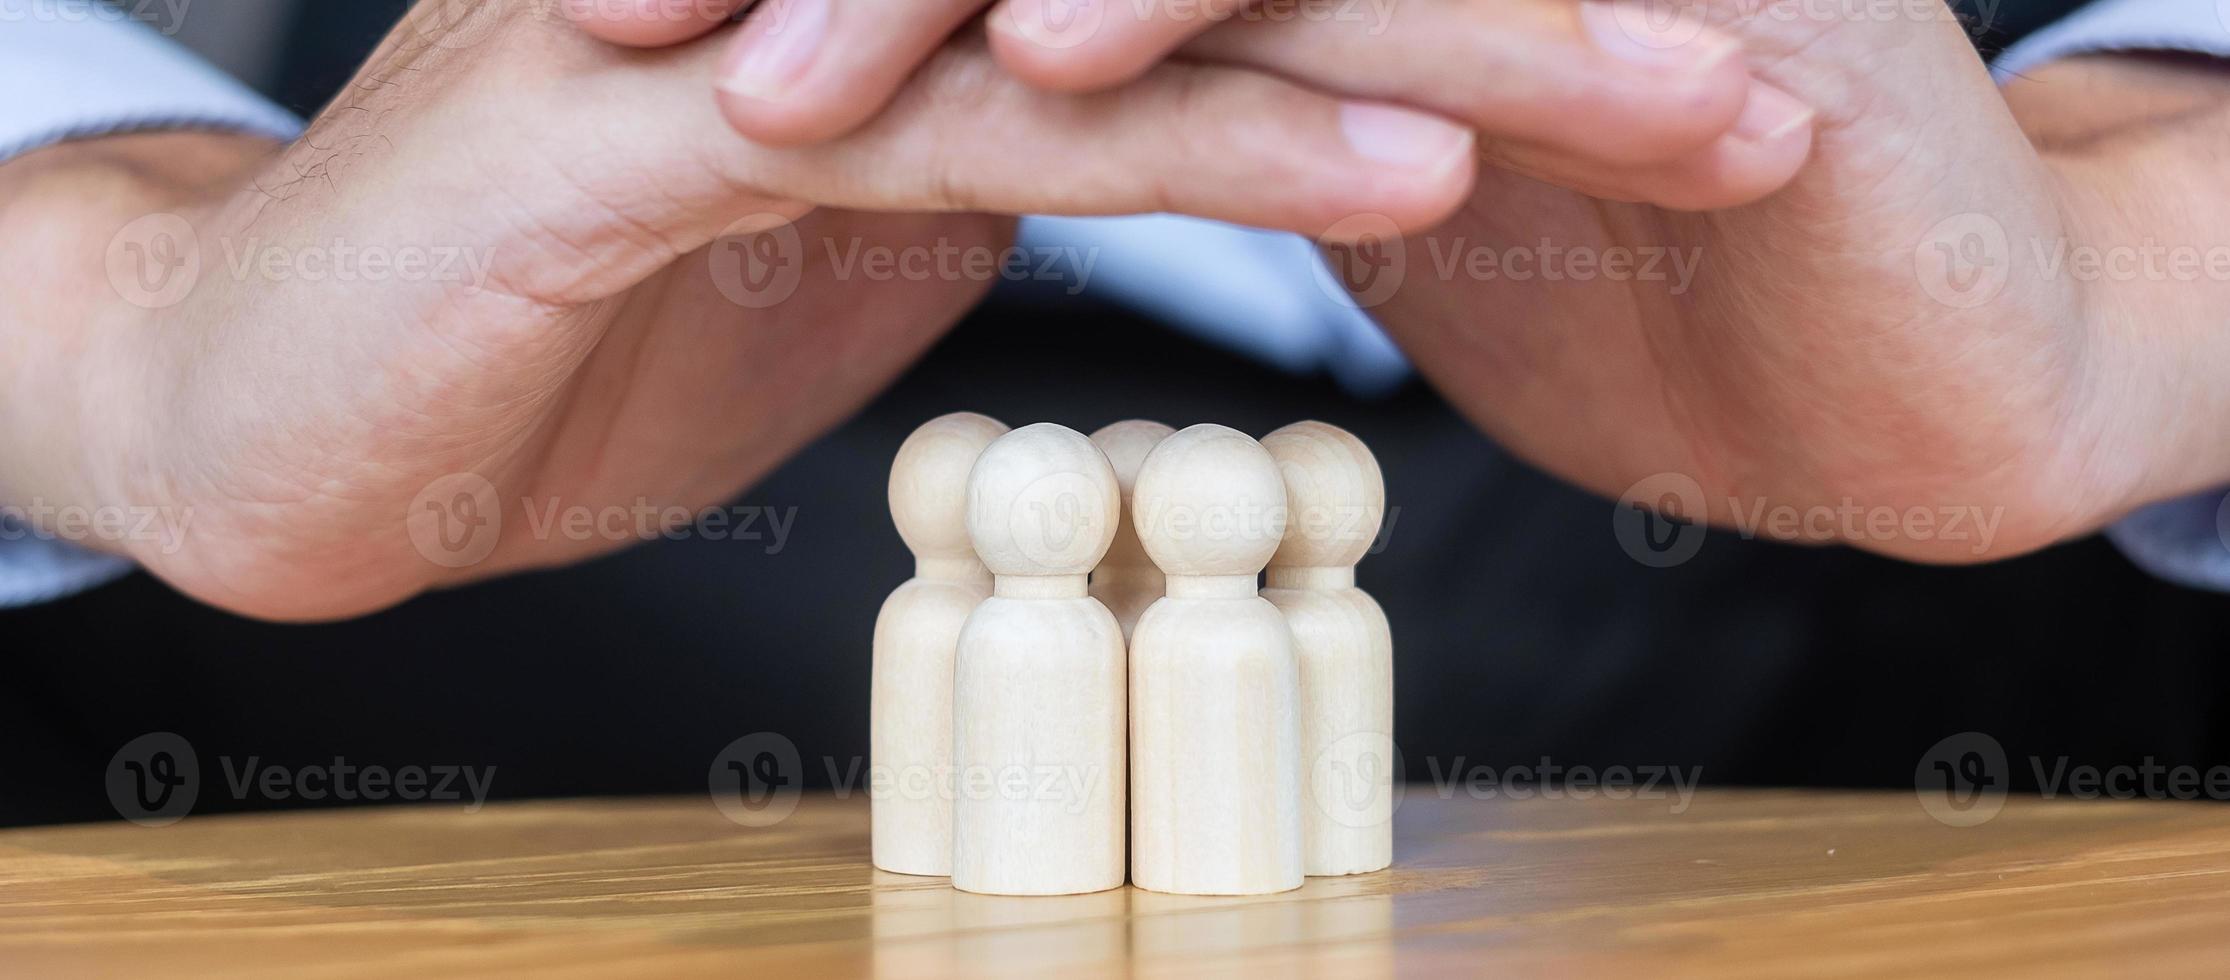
[(1744, 883)]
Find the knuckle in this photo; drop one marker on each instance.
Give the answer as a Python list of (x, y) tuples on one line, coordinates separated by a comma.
[(961, 80)]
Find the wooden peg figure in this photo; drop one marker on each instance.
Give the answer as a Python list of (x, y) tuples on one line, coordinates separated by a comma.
[(1335, 501), (1038, 691), (1215, 739), (910, 704), (1126, 581)]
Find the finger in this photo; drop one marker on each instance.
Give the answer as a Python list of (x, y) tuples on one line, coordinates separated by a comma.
[(803, 71), (962, 136), (649, 23), (1084, 45), (1613, 84), (1761, 153), (1209, 141)]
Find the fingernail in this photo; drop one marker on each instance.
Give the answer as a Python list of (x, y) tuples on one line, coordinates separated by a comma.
[(1770, 114), (776, 46), (1402, 137), (1667, 39)]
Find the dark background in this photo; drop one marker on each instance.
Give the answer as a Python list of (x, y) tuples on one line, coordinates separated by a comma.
[(1522, 630)]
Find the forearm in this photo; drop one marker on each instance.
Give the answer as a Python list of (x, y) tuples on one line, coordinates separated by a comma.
[(2140, 145), (78, 406)]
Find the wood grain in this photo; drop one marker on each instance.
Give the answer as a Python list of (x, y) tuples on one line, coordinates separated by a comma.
[(1743, 883)]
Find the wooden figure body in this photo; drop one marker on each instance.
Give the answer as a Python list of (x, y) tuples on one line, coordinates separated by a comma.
[(1335, 501), (910, 704), (1215, 738), (1038, 692), (1126, 581)]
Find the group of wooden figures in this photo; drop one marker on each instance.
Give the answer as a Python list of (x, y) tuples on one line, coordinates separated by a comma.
[(1086, 680)]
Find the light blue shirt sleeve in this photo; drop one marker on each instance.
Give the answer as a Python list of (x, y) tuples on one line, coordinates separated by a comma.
[(71, 69), (2191, 26)]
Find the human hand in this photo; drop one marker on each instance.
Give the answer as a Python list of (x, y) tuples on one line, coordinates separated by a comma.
[(1882, 340), (1591, 94), (317, 427)]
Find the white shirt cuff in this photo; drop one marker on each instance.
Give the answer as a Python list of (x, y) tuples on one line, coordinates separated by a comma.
[(2191, 26)]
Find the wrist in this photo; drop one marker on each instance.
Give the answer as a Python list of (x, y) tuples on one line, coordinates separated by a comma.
[(2134, 145), (2157, 397), (90, 232)]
